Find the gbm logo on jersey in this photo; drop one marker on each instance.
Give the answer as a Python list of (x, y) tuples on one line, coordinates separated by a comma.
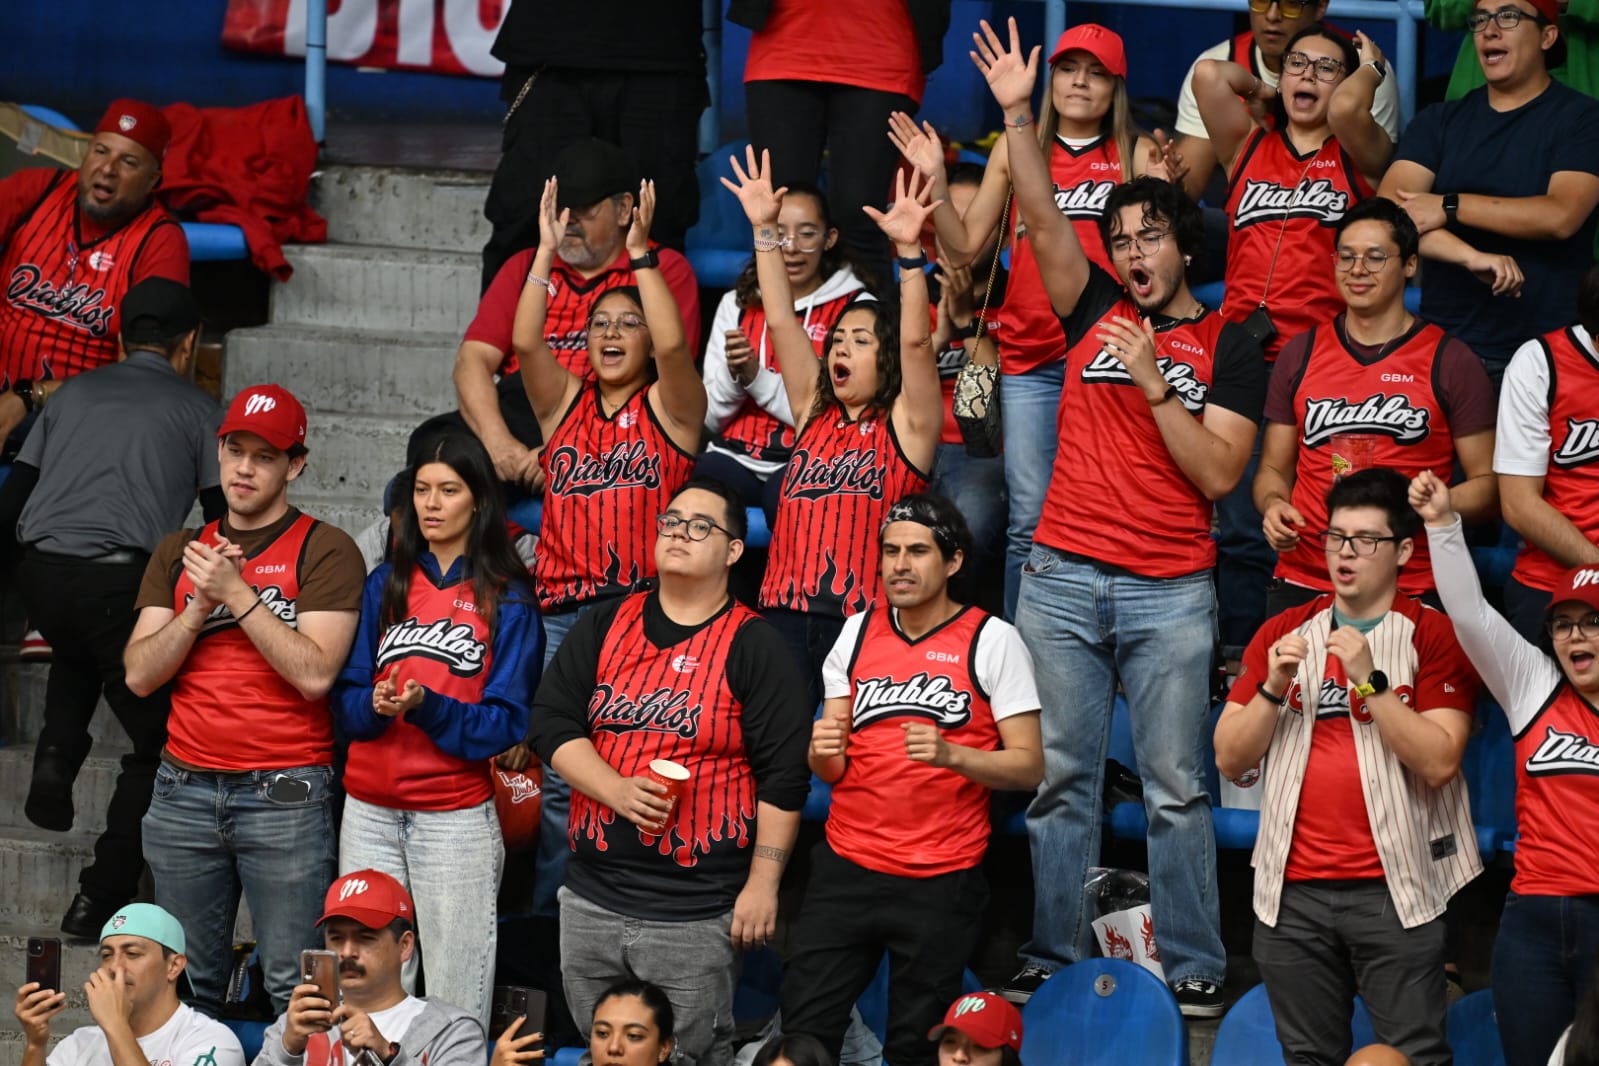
[(933, 698), (456, 646)]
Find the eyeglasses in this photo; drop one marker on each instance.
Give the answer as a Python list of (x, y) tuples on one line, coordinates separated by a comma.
[(696, 529), (627, 321), (1327, 68), (1373, 261), (1360, 543), (1290, 9), (1146, 243), (1588, 626), (804, 239), (1506, 18)]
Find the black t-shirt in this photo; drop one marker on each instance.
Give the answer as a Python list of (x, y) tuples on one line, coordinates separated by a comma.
[(1471, 148), (625, 876), (653, 36)]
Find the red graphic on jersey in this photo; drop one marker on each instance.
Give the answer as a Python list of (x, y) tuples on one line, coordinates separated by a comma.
[(1148, 933), (625, 465), (1116, 945)]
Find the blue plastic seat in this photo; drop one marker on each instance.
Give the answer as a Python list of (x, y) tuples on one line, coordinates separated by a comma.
[(249, 1034), (49, 116), (529, 514), (1248, 1034), (568, 1056), (1473, 1031), (718, 245), (1105, 1011), (1490, 766)]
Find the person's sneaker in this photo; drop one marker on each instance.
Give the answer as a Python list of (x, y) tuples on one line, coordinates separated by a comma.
[(34, 648), (1198, 998), (1020, 989)]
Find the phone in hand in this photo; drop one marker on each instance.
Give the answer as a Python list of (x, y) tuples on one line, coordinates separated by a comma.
[(321, 968), (512, 1002), (44, 962)]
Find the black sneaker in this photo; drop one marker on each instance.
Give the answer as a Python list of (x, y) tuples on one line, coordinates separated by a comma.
[(1020, 989), (1199, 998)]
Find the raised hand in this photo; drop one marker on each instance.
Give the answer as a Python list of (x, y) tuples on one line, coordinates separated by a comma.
[(918, 144), (1165, 161), (754, 190), (1367, 49), (913, 204), (1430, 497), (552, 221), (638, 234), (1010, 77), (514, 1048), (1259, 102)]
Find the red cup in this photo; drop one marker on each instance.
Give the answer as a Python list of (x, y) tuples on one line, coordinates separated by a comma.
[(1352, 453), (673, 776)]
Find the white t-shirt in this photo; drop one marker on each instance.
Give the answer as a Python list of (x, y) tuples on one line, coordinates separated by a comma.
[(188, 1038), (1384, 107), (392, 1023), (1521, 446)]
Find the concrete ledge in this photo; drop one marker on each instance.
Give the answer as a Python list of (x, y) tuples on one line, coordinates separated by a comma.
[(391, 290), (347, 370)]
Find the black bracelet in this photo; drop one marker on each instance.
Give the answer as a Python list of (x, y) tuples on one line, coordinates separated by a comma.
[(1169, 394), (24, 390), (912, 262), (962, 333), (650, 260), (252, 607), (1278, 700)]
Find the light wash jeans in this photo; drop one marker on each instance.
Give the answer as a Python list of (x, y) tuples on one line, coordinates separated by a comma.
[(450, 862), (209, 836), (691, 961), (1028, 406), (1087, 627), (555, 798)]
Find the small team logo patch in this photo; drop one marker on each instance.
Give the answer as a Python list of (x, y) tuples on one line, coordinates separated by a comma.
[(353, 887), (626, 419), (126, 123), (119, 921), (685, 664), (101, 261)]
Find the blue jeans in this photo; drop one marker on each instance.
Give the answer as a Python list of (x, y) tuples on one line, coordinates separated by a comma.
[(1028, 403), (977, 488), (207, 836), (1244, 562), (450, 862), (555, 799), (1543, 963), (1087, 626)]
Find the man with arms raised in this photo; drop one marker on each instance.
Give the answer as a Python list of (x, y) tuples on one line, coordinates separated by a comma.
[(1157, 418)]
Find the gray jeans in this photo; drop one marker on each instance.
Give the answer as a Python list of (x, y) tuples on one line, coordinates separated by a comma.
[(691, 961), (1334, 939)]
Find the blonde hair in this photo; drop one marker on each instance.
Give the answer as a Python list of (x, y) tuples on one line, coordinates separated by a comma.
[(1117, 122)]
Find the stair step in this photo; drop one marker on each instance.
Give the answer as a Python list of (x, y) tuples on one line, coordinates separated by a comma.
[(39, 873), (348, 512), (22, 692), (406, 376), (352, 459), (386, 289), (437, 210), (91, 793)]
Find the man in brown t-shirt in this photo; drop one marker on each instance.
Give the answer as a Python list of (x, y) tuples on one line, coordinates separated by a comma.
[(249, 619)]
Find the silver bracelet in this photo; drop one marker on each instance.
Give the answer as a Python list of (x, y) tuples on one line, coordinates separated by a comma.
[(536, 280)]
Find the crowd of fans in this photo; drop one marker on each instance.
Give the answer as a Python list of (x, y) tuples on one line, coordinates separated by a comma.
[(1285, 486)]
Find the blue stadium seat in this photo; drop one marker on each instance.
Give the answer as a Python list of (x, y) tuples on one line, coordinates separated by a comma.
[(249, 1034), (49, 116), (1473, 1031), (1490, 769), (1248, 1034), (718, 245), (529, 514), (1105, 1011), (1495, 561), (568, 1056)]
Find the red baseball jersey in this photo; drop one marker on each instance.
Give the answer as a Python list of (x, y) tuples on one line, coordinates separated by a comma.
[(442, 644), (230, 709), (1557, 799), (843, 477), (605, 480), (1283, 208), (1026, 328), (670, 702), (881, 811), (58, 313), (1571, 485), (1388, 410), (1116, 494), (751, 430)]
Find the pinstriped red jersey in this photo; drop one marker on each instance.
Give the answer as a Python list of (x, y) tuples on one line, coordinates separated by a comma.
[(752, 431), (1026, 328), (671, 702), (1571, 483), (58, 313), (843, 477), (1283, 207), (605, 480)]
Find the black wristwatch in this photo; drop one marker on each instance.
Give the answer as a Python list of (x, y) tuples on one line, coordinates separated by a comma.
[(650, 260), (24, 391), (1380, 67), (1376, 684), (911, 262), (1451, 205)]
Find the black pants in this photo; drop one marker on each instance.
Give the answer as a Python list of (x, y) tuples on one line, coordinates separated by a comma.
[(85, 610), (741, 479), (850, 916), (810, 636), (796, 120), (654, 117)]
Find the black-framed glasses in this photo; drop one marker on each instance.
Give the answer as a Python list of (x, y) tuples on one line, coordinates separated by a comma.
[(1506, 18), (1360, 543), (1290, 9), (1327, 68), (1373, 260), (668, 525), (1587, 625), (1146, 243)]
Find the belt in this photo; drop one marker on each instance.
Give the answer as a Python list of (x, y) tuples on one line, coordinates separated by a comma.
[(121, 556)]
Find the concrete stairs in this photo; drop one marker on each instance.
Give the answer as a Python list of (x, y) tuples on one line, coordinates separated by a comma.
[(365, 332)]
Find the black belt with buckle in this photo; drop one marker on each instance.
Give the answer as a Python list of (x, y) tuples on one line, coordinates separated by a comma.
[(121, 556)]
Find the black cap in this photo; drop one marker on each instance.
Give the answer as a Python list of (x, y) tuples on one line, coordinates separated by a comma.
[(590, 170), (158, 309)]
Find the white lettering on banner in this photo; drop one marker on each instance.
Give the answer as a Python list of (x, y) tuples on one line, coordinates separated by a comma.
[(410, 38)]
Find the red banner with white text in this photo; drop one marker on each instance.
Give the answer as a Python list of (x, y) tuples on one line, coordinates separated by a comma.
[(443, 36)]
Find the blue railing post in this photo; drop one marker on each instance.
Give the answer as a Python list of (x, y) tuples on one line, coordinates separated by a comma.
[(1406, 58), (711, 118), (1054, 26), (316, 66)]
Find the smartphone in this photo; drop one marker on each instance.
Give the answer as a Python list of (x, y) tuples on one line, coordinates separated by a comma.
[(321, 968), (512, 1002), (44, 962)]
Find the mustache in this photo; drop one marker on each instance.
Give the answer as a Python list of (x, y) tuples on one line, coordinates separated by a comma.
[(351, 969)]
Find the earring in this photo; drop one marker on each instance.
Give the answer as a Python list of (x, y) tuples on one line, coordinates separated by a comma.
[(1187, 260)]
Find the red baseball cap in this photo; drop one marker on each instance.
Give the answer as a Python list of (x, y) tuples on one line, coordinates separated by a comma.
[(139, 122), (1104, 45), (370, 897), (270, 412), (988, 1019), (1549, 9), (1578, 586)]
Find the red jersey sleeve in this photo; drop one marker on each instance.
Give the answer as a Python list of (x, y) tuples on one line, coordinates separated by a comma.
[(496, 312), (18, 194), (679, 277), (1444, 676), (165, 255)]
